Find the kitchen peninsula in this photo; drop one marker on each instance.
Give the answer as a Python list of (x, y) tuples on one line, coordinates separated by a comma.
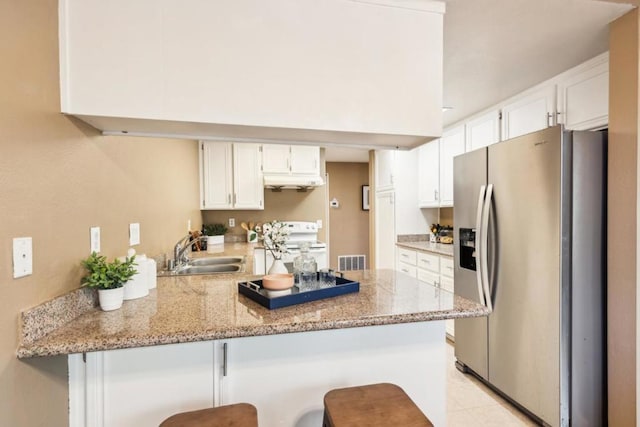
[(224, 348)]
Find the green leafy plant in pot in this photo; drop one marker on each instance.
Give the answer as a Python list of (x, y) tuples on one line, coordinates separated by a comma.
[(108, 278), (215, 234)]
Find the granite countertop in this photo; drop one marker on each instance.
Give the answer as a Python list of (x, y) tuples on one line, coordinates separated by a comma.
[(199, 308), (438, 248)]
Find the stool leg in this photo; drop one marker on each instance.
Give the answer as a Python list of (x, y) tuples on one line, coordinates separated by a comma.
[(325, 421)]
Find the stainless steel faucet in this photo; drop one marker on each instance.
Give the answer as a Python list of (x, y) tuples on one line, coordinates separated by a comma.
[(180, 252)]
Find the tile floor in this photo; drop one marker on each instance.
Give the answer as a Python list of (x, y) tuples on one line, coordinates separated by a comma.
[(471, 403)]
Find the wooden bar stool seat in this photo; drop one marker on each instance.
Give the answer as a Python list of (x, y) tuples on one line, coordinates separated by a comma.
[(374, 405), (238, 415)]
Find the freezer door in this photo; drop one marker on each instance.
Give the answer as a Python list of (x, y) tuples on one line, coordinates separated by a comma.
[(470, 174), (524, 328)]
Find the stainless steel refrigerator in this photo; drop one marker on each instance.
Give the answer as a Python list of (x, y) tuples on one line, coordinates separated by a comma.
[(530, 224)]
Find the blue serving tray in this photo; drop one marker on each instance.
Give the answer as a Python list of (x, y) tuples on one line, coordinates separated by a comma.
[(253, 290)]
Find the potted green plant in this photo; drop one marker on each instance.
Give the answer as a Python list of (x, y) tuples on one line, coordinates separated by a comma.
[(108, 278), (215, 234)]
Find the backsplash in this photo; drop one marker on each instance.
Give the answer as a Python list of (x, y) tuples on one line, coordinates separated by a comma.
[(287, 205)]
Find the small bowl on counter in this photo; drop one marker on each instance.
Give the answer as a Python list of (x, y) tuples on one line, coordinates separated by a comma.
[(277, 284)]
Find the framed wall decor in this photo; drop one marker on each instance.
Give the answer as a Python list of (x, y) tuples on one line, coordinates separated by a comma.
[(365, 197)]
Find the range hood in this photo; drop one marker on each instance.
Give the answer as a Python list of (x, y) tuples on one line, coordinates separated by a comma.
[(295, 182)]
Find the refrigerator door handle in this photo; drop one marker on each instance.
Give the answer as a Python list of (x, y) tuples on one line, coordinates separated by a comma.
[(479, 253), (484, 243)]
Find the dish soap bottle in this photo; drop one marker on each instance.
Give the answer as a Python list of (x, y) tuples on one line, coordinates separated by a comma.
[(305, 269)]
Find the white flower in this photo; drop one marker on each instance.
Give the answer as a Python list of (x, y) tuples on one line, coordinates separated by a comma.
[(274, 236)]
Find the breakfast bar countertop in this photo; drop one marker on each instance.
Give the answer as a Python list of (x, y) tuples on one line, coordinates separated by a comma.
[(200, 308)]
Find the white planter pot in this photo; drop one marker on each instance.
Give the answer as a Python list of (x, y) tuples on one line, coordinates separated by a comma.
[(111, 299), (215, 244), (215, 240)]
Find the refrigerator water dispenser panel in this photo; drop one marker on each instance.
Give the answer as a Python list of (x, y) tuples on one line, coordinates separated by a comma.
[(468, 248)]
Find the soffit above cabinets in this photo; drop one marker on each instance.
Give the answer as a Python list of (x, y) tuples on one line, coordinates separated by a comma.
[(363, 73)]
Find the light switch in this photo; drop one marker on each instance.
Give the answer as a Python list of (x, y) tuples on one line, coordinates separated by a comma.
[(232, 222), (319, 223), (134, 234), (22, 257), (95, 239)]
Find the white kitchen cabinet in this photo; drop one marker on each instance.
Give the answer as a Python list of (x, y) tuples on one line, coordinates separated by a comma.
[(305, 160), (276, 159), (248, 188), (291, 159), (230, 176), (286, 376), (429, 175), (385, 231), (288, 70), (140, 386), (583, 95), (406, 261), (451, 144), (385, 163), (534, 110), (216, 175), (428, 277), (431, 268), (483, 131), (446, 283)]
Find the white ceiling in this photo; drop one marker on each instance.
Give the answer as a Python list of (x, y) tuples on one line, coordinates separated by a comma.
[(494, 49)]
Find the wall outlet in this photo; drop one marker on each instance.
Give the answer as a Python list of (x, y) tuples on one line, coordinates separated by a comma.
[(319, 223), (232, 222), (22, 257), (95, 239), (134, 234)]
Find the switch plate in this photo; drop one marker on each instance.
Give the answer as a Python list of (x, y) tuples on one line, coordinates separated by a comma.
[(95, 239), (22, 257), (134, 234), (232, 222), (319, 223)]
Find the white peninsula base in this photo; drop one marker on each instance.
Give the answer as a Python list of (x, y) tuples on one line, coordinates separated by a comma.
[(285, 376)]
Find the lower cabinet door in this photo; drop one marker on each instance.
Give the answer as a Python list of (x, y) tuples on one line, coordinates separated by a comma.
[(286, 376), (407, 269), (140, 386), (446, 283)]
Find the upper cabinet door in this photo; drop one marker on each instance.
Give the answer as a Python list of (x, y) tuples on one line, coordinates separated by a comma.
[(385, 167), (583, 97), (276, 159), (429, 175), (483, 131), (216, 175), (247, 177), (451, 144), (534, 111), (305, 160)]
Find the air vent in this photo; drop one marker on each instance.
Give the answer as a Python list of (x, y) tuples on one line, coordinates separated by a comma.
[(352, 262)]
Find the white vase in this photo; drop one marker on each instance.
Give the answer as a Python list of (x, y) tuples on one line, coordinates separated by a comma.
[(252, 236), (111, 299), (278, 267)]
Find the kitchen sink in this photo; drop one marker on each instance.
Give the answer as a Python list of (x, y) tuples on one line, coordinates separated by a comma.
[(208, 269), (215, 261)]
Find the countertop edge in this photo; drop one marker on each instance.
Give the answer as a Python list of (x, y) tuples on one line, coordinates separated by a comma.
[(35, 350), (428, 247)]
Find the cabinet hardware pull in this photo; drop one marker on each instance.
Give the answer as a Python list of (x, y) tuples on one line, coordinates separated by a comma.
[(235, 198), (229, 198), (224, 359)]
